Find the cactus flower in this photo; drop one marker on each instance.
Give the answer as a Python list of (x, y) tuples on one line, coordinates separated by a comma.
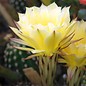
[(75, 54), (43, 28)]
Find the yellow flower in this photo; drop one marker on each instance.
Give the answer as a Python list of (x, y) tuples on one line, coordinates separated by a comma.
[(44, 29), (75, 54), (74, 57)]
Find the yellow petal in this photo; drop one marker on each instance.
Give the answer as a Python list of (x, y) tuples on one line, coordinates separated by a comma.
[(19, 41), (28, 40), (52, 41), (64, 16)]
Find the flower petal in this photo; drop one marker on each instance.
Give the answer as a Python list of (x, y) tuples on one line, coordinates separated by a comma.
[(19, 41), (28, 39), (52, 41)]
